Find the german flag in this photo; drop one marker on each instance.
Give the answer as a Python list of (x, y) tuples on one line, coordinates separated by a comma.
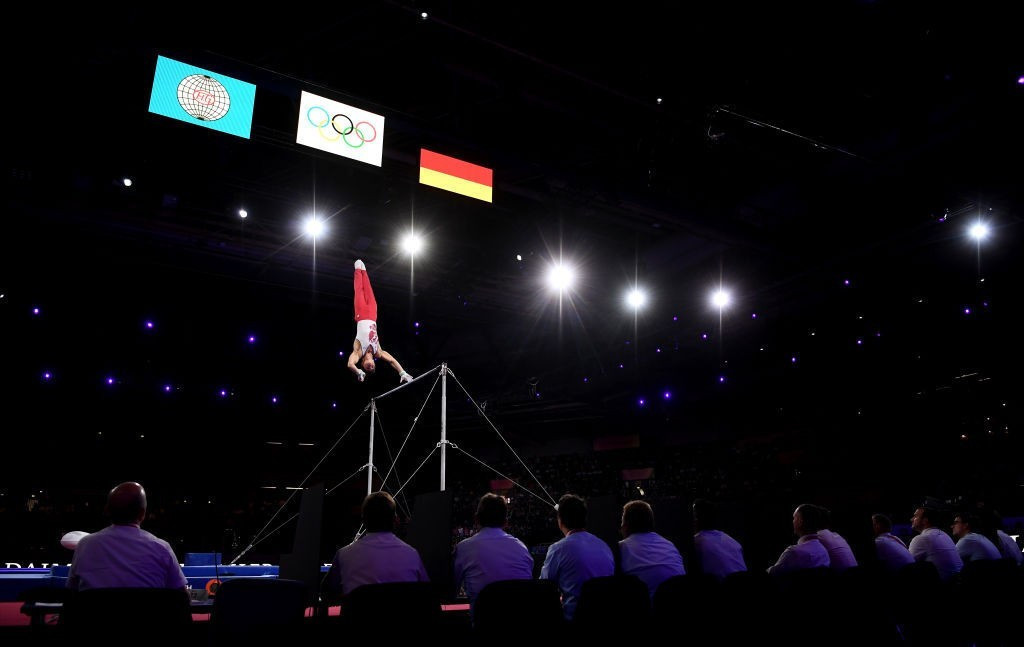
[(456, 175)]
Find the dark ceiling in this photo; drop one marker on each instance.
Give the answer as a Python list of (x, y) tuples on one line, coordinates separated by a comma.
[(793, 150)]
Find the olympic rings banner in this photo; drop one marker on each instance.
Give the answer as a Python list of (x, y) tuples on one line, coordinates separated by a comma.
[(336, 128)]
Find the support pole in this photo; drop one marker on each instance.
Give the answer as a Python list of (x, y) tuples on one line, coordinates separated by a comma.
[(369, 466), (444, 420)]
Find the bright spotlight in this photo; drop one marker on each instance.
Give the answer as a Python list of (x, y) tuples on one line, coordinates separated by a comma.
[(636, 298), (412, 244), (561, 277), (314, 227), (127, 181), (243, 214), (720, 298), (979, 231)]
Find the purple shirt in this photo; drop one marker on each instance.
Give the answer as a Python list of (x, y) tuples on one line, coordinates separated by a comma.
[(718, 554), (375, 558), (488, 556), (808, 552), (840, 556), (574, 560), (650, 557), (124, 556)]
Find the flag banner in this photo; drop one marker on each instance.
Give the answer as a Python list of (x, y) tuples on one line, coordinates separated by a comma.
[(456, 175), (201, 97), (344, 130)]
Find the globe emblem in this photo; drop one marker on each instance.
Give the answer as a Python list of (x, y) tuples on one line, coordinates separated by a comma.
[(203, 97)]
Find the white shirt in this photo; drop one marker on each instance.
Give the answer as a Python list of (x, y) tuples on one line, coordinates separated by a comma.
[(124, 556), (650, 557), (375, 558), (808, 552), (935, 546), (892, 552), (972, 547), (572, 561), (366, 335), (718, 554), (488, 556), (840, 556), (1009, 548)]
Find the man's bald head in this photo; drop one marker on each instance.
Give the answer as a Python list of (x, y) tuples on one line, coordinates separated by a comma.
[(126, 504)]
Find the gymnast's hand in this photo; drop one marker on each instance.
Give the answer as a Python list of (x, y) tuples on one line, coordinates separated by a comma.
[(404, 378), (360, 374)]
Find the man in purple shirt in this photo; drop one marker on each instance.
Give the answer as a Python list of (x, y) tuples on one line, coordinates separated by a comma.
[(644, 552), (123, 554), (579, 557), (491, 554), (378, 556), (808, 552)]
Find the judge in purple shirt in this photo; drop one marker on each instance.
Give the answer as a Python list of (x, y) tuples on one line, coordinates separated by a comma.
[(577, 558), (491, 554), (123, 554), (644, 552)]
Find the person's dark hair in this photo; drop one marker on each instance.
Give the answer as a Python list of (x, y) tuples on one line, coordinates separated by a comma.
[(572, 511), (637, 516), (812, 517), (705, 515), (883, 522), (379, 512), (936, 518), (492, 511)]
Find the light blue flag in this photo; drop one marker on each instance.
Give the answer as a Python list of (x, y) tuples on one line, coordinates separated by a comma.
[(201, 97)]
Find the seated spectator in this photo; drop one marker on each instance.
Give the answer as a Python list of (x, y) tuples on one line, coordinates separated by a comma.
[(972, 546), (645, 553), (377, 556), (891, 551), (578, 557), (716, 552), (933, 545), (840, 555), (123, 554), (491, 554), (808, 552)]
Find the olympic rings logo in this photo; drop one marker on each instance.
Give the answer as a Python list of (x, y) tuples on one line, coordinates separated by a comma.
[(334, 132)]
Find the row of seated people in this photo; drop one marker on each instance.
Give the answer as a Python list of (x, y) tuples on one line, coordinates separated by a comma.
[(103, 559)]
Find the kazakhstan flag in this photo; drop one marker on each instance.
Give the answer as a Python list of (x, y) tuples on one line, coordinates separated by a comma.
[(201, 97)]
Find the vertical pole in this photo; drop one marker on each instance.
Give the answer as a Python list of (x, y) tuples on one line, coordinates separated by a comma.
[(369, 466), (444, 420)]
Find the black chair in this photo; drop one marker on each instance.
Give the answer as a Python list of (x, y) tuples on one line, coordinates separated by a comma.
[(518, 610), (988, 600), (690, 602), (392, 610), (151, 611), (614, 605), (760, 621), (251, 607)]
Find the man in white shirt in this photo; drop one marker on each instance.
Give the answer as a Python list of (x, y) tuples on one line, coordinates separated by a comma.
[(377, 556), (933, 545), (808, 552), (840, 555), (578, 557), (970, 545), (892, 553), (366, 346), (491, 554), (123, 554), (716, 552), (643, 552)]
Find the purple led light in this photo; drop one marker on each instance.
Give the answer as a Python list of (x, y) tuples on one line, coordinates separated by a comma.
[(721, 379), (416, 324), (642, 402), (149, 325), (667, 395), (252, 339), (620, 366), (753, 315), (704, 335), (273, 399), (110, 381), (223, 393), (657, 350), (586, 379), (860, 341), (334, 405), (967, 311), (793, 359), (984, 304), (1020, 80), (35, 311), (675, 318), (846, 282), (47, 375), (167, 388)]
